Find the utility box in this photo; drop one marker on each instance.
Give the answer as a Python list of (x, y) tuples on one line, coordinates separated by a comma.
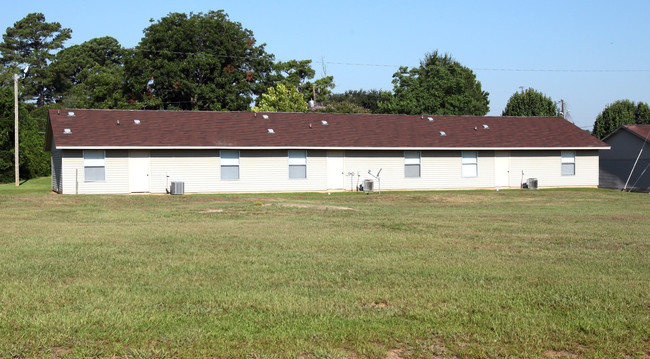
[(177, 188), (368, 185)]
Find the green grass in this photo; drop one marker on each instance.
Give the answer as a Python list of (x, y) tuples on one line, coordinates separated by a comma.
[(471, 274)]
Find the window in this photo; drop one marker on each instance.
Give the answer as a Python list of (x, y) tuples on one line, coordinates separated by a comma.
[(229, 165), (411, 164), (470, 164), (297, 164), (94, 165), (568, 163)]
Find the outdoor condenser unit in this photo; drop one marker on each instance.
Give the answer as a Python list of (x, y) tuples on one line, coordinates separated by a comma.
[(532, 183), (177, 188), (368, 185)]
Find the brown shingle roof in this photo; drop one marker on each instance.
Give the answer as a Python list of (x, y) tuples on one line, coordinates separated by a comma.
[(642, 131), (184, 129)]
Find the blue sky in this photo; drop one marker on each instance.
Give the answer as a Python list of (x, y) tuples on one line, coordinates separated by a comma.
[(588, 53)]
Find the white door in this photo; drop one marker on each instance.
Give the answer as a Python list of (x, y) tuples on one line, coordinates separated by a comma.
[(335, 175), (138, 171), (502, 168)]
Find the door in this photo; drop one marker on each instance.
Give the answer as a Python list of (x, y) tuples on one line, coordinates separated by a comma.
[(502, 168), (335, 175), (138, 171)]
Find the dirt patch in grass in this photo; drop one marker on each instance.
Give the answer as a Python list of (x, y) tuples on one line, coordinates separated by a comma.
[(212, 210), (394, 354), (59, 352), (560, 354), (376, 304), (316, 206)]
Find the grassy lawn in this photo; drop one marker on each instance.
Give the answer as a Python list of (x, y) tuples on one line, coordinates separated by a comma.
[(471, 274)]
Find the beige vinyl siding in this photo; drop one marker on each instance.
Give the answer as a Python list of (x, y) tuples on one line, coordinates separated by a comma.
[(199, 170), (446, 170), (438, 169), (117, 173), (259, 171), (546, 166), (268, 170)]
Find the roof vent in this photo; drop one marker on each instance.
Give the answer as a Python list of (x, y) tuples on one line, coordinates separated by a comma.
[(137, 122), (67, 131), (70, 114), (324, 123), (486, 127), (266, 117), (443, 133), (270, 130), (430, 119)]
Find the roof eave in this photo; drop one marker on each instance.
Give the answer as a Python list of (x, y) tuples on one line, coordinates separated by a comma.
[(329, 148)]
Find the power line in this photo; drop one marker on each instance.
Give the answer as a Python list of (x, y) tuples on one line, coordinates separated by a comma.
[(500, 69), (496, 69)]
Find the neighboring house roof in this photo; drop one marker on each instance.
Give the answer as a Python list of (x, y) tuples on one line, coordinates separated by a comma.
[(79, 129), (641, 131)]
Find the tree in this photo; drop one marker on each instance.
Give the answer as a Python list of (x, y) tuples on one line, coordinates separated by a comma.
[(295, 73), (279, 98), (341, 107), (619, 113), (439, 86), (198, 62), (368, 100), (530, 103), (33, 160), (90, 75), (320, 90), (32, 41)]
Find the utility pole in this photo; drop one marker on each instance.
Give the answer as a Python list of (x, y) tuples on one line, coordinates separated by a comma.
[(563, 108), (16, 157)]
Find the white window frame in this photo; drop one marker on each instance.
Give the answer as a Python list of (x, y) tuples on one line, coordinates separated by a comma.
[(229, 160), (568, 162), (412, 159), (297, 164), (94, 163), (469, 164)]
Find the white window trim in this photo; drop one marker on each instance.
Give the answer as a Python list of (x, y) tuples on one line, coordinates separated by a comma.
[(411, 161), (294, 160), (568, 157), (229, 162), (94, 163), (469, 162)]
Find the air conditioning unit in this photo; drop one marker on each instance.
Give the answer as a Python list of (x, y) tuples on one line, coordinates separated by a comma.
[(368, 185), (177, 188), (532, 183)]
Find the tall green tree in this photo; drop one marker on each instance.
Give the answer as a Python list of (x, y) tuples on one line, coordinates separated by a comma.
[(439, 86), (33, 41), (531, 103), (90, 75), (619, 113), (293, 73), (280, 98), (200, 61), (33, 160), (297, 73)]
